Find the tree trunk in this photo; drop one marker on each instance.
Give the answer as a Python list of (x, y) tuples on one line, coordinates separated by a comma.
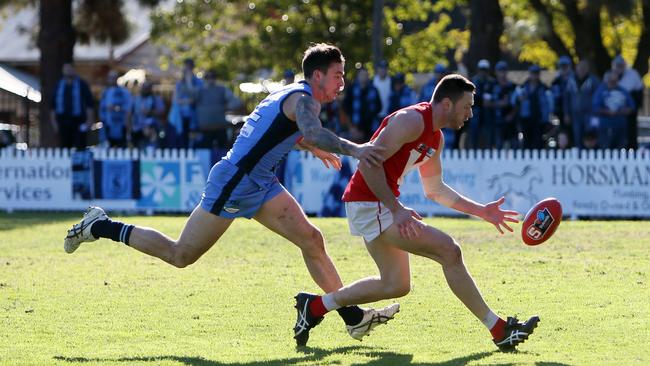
[(56, 40), (589, 39), (486, 28), (377, 30), (643, 47)]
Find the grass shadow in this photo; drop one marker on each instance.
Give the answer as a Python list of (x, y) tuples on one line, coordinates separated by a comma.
[(378, 358)]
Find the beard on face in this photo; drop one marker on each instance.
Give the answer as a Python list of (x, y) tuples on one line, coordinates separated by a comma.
[(459, 122)]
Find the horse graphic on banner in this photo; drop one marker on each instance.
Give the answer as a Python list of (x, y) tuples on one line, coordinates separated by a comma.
[(518, 189)]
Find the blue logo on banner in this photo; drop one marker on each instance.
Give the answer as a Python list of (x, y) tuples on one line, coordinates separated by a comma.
[(116, 179)]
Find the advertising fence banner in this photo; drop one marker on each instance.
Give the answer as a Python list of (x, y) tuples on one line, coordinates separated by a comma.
[(593, 183), (118, 179)]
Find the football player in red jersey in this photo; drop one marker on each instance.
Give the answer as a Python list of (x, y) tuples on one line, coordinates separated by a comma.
[(411, 138)]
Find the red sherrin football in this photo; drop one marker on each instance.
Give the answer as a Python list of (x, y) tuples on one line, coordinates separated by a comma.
[(541, 221)]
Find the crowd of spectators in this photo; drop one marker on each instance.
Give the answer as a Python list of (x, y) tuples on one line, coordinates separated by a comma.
[(577, 109), (140, 118)]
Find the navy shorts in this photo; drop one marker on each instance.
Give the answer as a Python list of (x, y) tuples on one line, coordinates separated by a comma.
[(231, 193)]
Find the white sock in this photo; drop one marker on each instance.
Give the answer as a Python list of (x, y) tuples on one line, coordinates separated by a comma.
[(490, 320), (329, 303)]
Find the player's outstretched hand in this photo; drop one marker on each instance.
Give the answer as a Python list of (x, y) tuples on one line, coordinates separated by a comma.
[(498, 217), (371, 154), (329, 159), (408, 222)]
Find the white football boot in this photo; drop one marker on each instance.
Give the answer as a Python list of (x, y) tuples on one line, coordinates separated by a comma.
[(371, 319), (80, 233)]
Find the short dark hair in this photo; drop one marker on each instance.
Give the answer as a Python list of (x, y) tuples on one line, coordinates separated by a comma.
[(320, 56), (452, 86)]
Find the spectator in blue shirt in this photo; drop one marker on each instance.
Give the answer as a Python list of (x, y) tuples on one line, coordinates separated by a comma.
[(401, 95), (630, 80), (427, 89), (147, 113), (426, 92), (481, 129), (114, 111), (559, 86), (288, 77), (213, 101), (182, 115), (362, 106), (383, 82), (534, 104), (505, 124), (612, 104), (579, 95), (72, 109)]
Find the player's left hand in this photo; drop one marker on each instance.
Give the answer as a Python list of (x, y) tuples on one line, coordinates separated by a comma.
[(370, 153), (498, 217), (329, 159), (408, 221)]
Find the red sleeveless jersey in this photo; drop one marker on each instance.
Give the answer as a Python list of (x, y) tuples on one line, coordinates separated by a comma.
[(408, 157)]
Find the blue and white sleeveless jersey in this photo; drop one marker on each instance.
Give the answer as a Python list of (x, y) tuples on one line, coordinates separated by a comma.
[(244, 179), (267, 136)]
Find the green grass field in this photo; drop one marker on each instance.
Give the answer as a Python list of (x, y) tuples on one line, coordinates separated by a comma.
[(107, 304)]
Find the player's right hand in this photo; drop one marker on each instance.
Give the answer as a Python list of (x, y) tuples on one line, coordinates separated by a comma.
[(328, 158), (371, 154), (408, 222)]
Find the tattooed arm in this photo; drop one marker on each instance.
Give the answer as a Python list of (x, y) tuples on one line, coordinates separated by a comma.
[(304, 110), (307, 110)]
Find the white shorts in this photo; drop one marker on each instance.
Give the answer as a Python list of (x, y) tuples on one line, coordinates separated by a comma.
[(368, 219)]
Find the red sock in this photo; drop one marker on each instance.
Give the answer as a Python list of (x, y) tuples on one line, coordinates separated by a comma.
[(316, 307), (499, 329)]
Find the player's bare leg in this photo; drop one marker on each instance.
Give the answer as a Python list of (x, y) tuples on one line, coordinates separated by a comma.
[(433, 243), (394, 281), (201, 231), (283, 215), (389, 252), (394, 278)]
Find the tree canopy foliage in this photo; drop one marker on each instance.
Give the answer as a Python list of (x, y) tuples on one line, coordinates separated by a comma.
[(242, 37), (246, 36), (597, 30), (239, 38)]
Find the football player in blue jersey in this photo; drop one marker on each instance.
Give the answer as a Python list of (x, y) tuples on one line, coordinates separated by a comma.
[(243, 184)]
